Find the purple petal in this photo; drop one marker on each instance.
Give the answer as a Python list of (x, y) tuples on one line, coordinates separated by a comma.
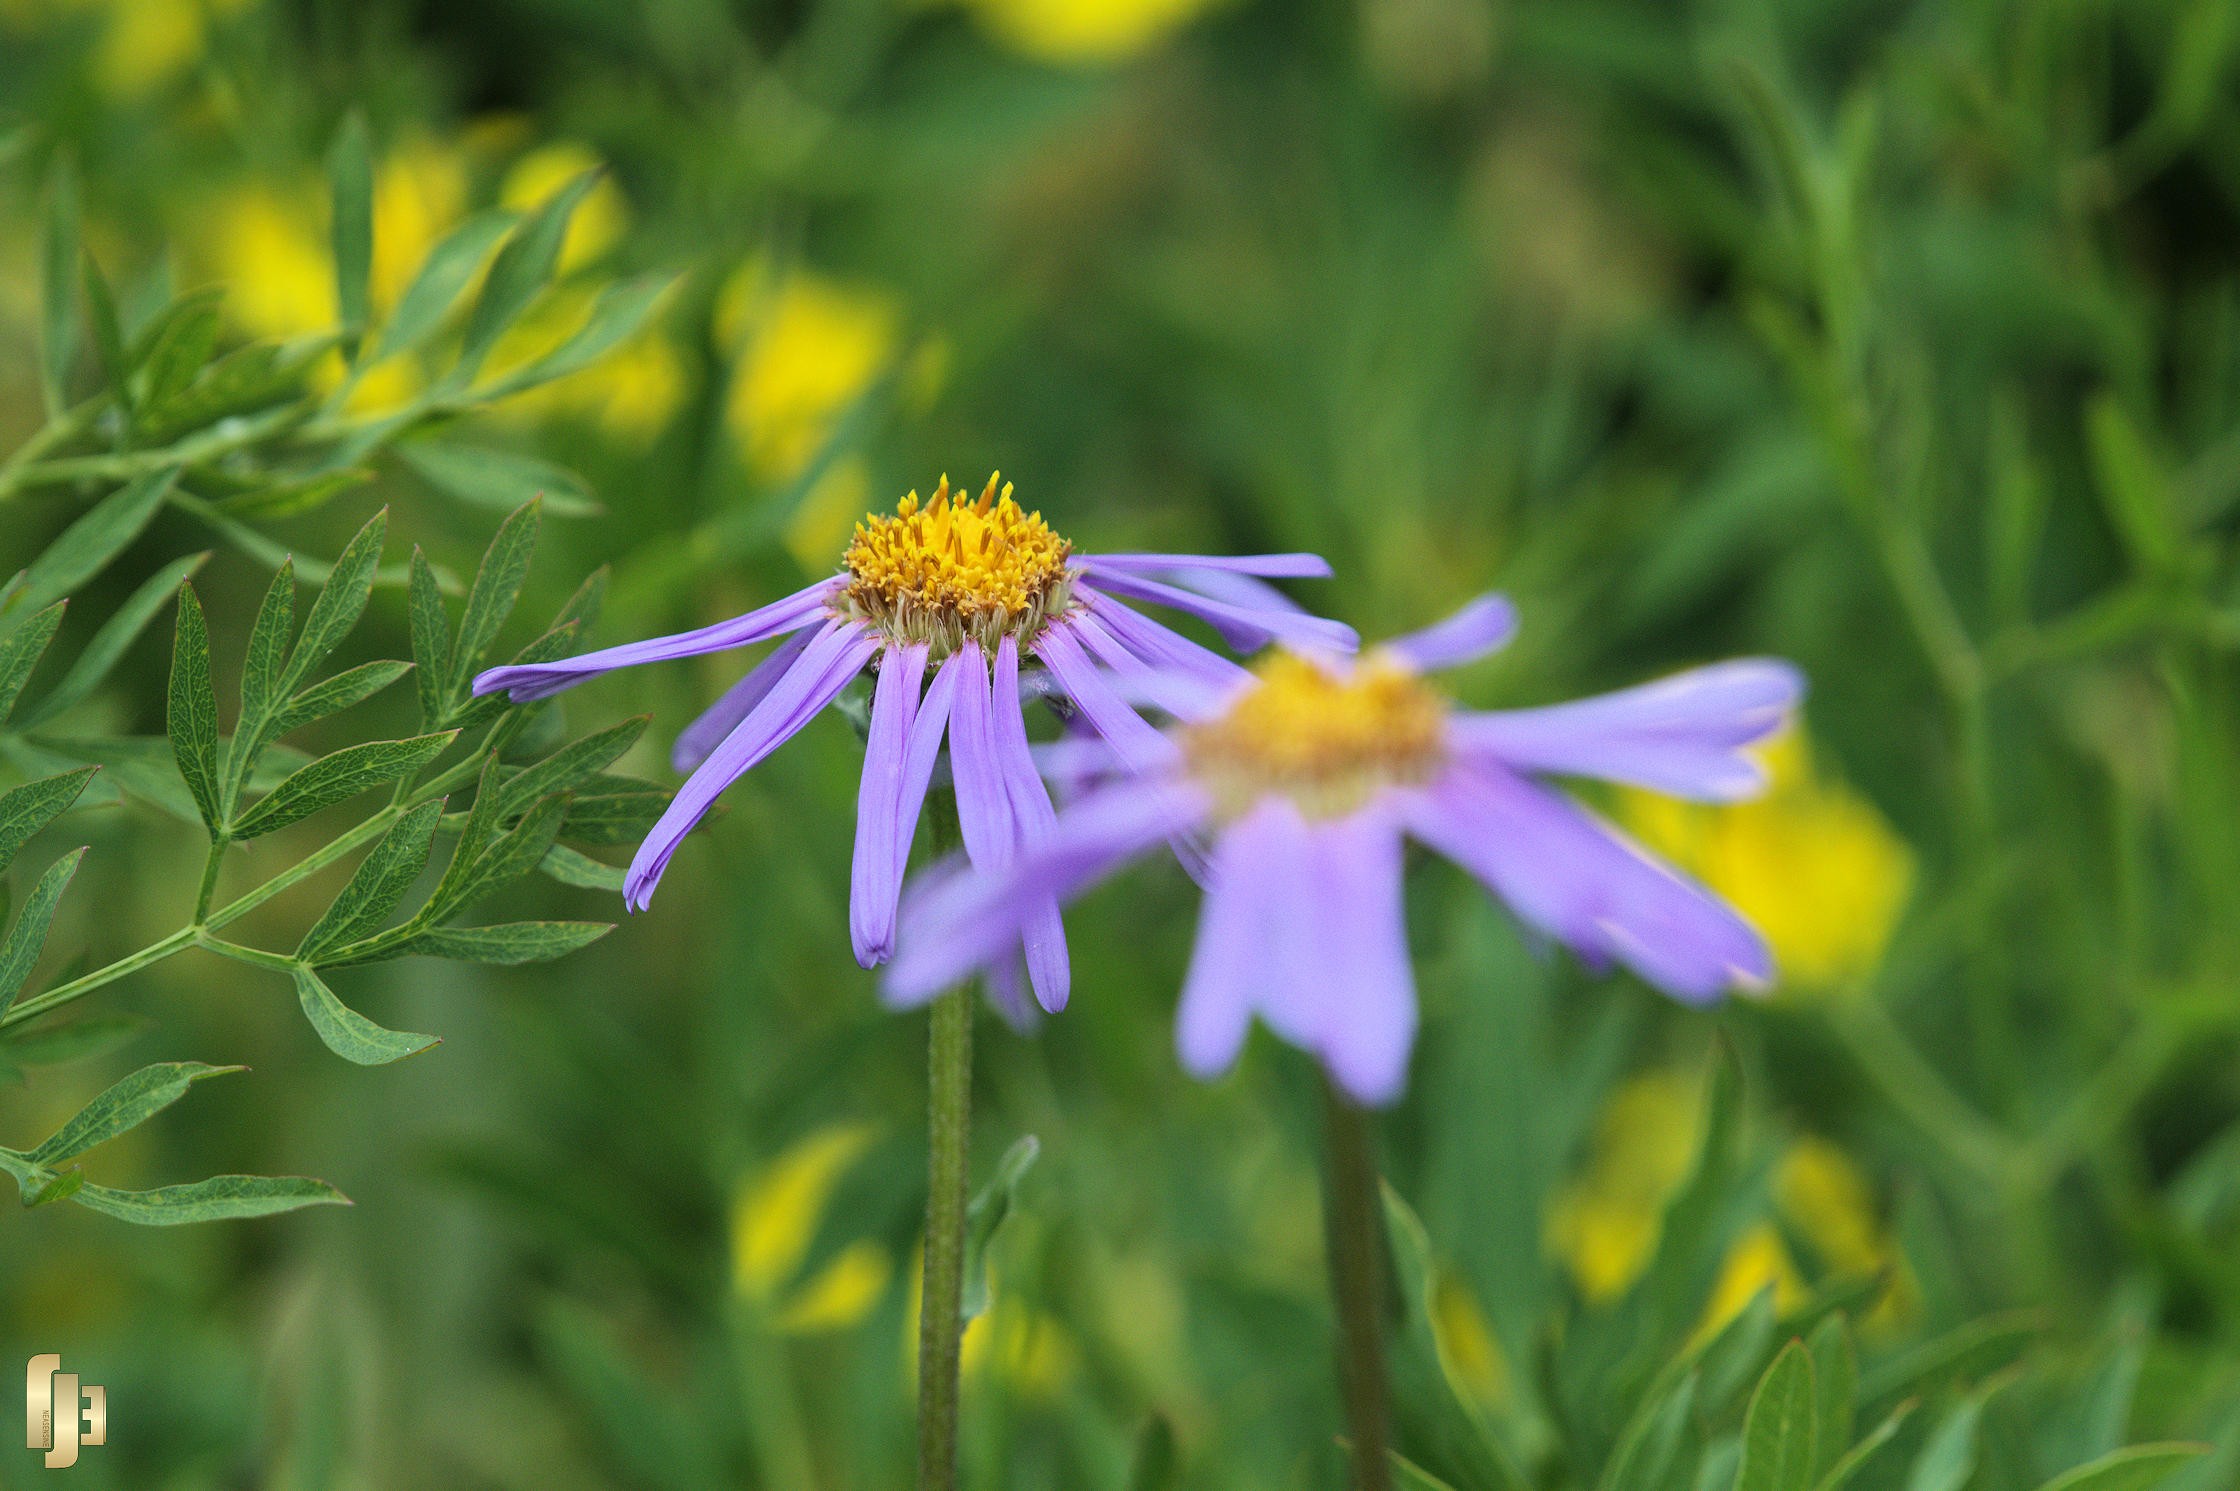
[(1683, 735), (1139, 746), (527, 681), (707, 732), (876, 877), (1044, 933), (1244, 628), (1160, 647), (1274, 566), (1369, 1015), (839, 651), (1247, 882), (926, 730), (1580, 880), (1483, 626), (1186, 693)]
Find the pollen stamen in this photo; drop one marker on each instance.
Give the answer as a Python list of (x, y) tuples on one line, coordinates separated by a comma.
[(1326, 740), (941, 571)]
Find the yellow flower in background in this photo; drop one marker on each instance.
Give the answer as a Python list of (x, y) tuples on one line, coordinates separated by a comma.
[(1758, 1261), (1468, 1352), (774, 1219), (1811, 864), (419, 194), (269, 249), (1077, 32), (631, 393), (600, 219), (1033, 1353), (146, 43)]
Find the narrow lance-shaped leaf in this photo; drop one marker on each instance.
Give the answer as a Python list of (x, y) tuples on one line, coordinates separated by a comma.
[(497, 585), (2135, 1468), (986, 1214), (507, 944), (58, 316), (108, 336), (19, 952), (1835, 1369), (1856, 1458), (109, 643), (522, 269), (221, 1198), (341, 602), (1779, 1434), (1948, 1459), (501, 479), (333, 695), (21, 650), (350, 173), (260, 680), (50, 1044), (177, 348), (619, 313), (378, 884), (431, 642), (125, 1105), (571, 764), (87, 546), (191, 721), (573, 867), (27, 809), (338, 777), (349, 1034), (437, 286)]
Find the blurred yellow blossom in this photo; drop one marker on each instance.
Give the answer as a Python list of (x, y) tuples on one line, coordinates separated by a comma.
[(268, 247), (774, 1219), (1032, 1352), (1464, 1340), (600, 219), (1079, 32), (1758, 1261), (630, 393), (1811, 864), (419, 193), (145, 43)]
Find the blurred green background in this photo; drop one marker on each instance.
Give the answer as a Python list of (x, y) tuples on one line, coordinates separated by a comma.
[(1900, 339)]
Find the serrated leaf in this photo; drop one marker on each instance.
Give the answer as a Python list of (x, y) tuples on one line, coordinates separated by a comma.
[(332, 696), (221, 1198), (582, 608), (58, 316), (571, 867), (508, 944), (350, 175), (2135, 1468), (19, 952), (523, 267), (110, 642), (51, 1045), (341, 602), (1779, 1433), (21, 650), (614, 810), (570, 765), (26, 809), (510, 856), (431, 641), (499, 479), (125, 1105), (349, 1034), (379, 883), (339, 777), (437, 286), (497, 585), (86, 546), (268, 649), (619, 313), (985, 1215), (191, 721)]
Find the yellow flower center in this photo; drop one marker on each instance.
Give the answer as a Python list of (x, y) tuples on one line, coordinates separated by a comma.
[(1326, 740), (950, 569)]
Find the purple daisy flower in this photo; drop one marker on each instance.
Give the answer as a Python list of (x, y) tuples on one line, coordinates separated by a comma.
[(1310, 772), (960, 592)]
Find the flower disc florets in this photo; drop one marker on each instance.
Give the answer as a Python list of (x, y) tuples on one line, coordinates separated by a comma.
[(1327, 740), (949, 569)]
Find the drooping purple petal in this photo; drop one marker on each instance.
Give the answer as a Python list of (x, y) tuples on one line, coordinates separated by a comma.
[(956, 920), (1273, 566), (838, 652), (1246, 884), (527, 681), (1243, 628), (1138, 745), (1369, 1012), (1161, 647), (1044, 934), (919, 757), (707, 732), (1683, 735), (987, 812), (875, 882), (1187, 693), (1585, 883), (1485, 625)]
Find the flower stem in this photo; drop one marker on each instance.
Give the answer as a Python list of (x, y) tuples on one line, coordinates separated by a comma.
[(948, 1158), (1353, 1216)]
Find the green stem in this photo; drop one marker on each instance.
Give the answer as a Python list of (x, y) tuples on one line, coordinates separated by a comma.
[(948, 1159), (242, 954), (210, 867), (64, 427), (1354, 1238), (84, 984)]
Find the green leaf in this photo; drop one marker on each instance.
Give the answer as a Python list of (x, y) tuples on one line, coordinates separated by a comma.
[(218, 1199), (437, 285), (522, 269), (2135, 1468), (340, 603), (1969, 1350), (350, 173), (108, 338), (350, 686), (53, 1044), (380, 882), (1651, 1442), (571, 764), (1156, 1465), (1409, 1476), (58, 1188), (175, 349), (509, 857), (508, 943), (251, 379), (1948, 1459), (2133, 486), (497, 478), (21, 650), (431, 642), (1779, 1438), (1855, 1459), (293, 498), (497, 585), (58, 317), (1835, 1371), (614, 810), (268, 651), (339, 777), (86, 546), (349, 1034), (27, 809), (620, 312), (191, 721), (109, 643), (985, 1215), (571, 867), (126, 1105), (19, 953)]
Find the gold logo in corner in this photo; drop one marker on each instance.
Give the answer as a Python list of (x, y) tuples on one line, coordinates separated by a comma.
[(47, 1387)]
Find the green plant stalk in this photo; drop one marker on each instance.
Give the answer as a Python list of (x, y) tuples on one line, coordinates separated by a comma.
[(948, 1160), (1353, 1227)]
